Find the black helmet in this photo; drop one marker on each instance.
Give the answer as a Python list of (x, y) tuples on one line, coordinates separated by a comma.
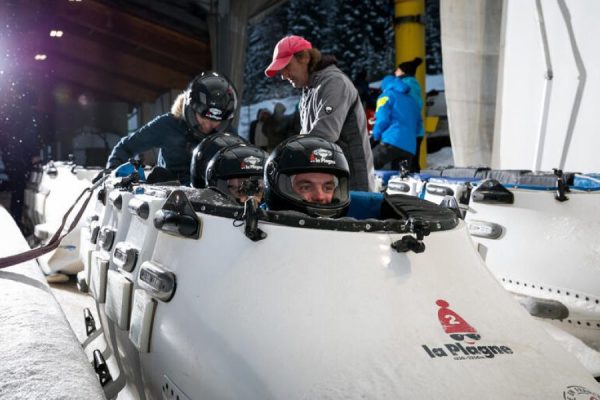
[(304, 154), (236, 161), (204, 151), (212, 96)]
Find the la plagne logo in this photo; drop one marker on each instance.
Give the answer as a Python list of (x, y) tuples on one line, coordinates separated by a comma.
[(251, 162), (467, 345), (321, 156)]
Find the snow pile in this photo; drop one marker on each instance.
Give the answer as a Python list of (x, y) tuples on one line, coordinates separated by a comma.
[(40, 357)]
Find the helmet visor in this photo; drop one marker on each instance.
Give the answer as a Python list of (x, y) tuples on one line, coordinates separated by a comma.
[(315, 188), (242, 188)]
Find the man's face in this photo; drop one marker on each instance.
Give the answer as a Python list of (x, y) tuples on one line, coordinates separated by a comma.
[(315, 187), (296, 72), (207, 125)]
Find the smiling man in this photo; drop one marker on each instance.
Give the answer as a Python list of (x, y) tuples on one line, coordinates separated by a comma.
[(329, 107), (307, 173)]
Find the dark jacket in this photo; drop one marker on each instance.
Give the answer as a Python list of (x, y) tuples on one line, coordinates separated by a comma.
[(397, 118), (330, 108), (171, 135)]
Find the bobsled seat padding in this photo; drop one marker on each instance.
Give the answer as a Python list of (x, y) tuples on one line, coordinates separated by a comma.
[(465, 172), (528, 178), (369, 205), (40, 357), (402, 206), (200, 198), (365, 205), (517, 177), (587, 182), (161, 175)]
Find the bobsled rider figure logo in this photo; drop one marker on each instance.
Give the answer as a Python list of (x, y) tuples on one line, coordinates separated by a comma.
[(214, 113), (454, 325), (321, 156), (251, 162), (579, 393), (466, 345)]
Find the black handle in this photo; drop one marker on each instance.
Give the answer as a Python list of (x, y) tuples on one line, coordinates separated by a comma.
[(175, 223)]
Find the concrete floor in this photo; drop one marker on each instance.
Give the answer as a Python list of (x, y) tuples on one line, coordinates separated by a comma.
[(73, 302)]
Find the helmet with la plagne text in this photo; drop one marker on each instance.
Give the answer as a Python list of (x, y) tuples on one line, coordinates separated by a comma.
[(306, 154), (203, 153), (210, 95), (241, 160)]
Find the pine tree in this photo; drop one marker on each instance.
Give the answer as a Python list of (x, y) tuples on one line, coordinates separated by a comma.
[(433, 44), (359, 33), (365, 32)]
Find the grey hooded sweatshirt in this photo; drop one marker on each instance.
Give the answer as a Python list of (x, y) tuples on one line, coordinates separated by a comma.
[(330, 108)]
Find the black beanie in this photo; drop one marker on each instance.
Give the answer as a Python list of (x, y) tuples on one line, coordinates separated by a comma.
[(410, 67)]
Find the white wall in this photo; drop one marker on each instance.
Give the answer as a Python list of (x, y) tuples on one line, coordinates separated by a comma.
[(521, 87)]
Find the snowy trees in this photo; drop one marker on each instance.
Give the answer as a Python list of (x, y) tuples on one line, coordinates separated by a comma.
[(359, 33)]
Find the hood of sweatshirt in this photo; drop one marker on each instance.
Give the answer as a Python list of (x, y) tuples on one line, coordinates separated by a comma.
[(390, 82)]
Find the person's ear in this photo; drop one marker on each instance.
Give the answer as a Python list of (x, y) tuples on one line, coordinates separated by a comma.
[(304, 58)]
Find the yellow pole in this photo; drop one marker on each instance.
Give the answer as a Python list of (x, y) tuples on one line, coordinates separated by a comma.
[(409, 29)]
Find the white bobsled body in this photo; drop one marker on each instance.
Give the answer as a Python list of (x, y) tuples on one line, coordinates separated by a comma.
[(547, 252), (542, 249), (127, 255), (59, 187), (328, 311)]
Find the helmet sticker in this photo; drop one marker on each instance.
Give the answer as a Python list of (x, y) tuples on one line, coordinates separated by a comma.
[(251, 162), (322, 156)]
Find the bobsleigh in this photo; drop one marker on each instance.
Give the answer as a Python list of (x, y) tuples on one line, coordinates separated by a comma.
[(202, 298), (536, 232), (49, 194)]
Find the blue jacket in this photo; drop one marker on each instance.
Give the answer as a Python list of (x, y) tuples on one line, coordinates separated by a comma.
[(397, 117), (415, 94), (170, 135)]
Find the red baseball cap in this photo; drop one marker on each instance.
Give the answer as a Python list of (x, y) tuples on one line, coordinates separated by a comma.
[(284, 51)]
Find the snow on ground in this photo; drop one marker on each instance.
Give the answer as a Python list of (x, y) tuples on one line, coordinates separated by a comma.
[(441, 158)]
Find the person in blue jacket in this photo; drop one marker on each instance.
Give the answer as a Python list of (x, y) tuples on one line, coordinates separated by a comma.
[(406, 71), (205, 107), (397, 123)]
